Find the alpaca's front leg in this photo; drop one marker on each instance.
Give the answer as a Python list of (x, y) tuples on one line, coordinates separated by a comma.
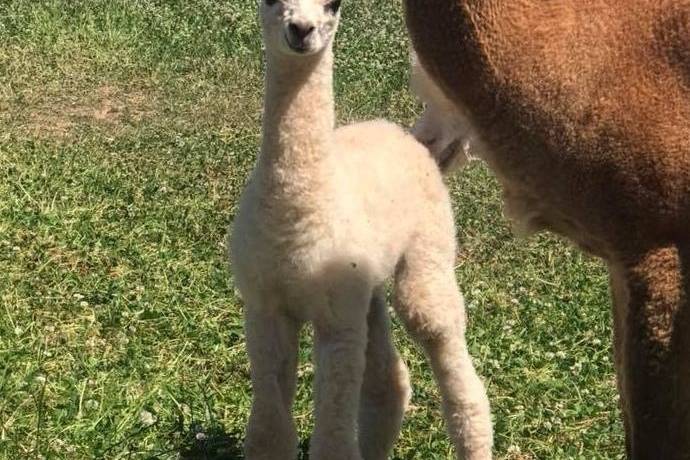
[(654, 341), (620, 299), (340, 344), (272, 344), (386, 386)]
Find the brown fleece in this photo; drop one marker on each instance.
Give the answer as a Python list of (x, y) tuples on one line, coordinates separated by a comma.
[(584, 106), (656, 344)]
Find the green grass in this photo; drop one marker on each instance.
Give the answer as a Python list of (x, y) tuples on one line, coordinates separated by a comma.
[(127, 129)]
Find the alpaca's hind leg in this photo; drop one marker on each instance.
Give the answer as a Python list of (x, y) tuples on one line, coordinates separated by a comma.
[(340, 340), (656, 362), (431, 306), (272, 343), (385, 389)]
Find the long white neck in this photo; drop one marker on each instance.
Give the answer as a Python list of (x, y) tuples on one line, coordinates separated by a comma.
[(298, 124)]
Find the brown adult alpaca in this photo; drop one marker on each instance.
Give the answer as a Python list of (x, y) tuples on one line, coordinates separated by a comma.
[(583, 110)]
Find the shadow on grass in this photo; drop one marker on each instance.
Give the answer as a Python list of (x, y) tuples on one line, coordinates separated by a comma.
[(211, 444), (216, 444)]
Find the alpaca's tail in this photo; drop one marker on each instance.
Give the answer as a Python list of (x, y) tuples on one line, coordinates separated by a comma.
[(441, 128), (450, 149), (453, 157)]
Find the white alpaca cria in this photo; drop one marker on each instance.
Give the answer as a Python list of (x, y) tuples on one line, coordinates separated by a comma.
[(327, 217)]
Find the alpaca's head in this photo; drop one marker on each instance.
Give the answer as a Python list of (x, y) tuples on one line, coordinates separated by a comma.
[(299, 27)]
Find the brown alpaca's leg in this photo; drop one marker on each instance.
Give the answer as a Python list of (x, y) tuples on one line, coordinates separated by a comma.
[(385, 389), (656, 340), (620, 299)]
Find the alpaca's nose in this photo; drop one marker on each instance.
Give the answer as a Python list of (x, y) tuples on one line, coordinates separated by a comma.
[(300, 31)]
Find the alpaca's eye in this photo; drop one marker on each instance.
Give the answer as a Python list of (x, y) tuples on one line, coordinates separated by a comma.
[(333, 6), (271, 2)]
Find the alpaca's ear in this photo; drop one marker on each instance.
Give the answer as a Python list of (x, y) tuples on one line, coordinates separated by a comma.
[(333, 6)]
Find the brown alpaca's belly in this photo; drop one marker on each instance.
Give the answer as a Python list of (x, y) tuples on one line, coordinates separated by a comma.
[(604, 207), (531, 212)]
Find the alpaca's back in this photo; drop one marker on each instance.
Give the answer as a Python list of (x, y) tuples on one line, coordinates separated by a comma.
[(390, 159), (393, 175)]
